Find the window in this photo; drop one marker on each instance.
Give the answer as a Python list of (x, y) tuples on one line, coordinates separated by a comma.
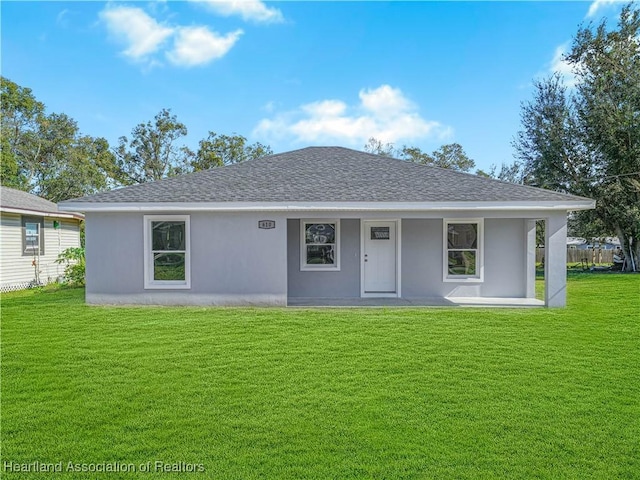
[(463, 255), (166, 245), (319, 249), (32, 235)]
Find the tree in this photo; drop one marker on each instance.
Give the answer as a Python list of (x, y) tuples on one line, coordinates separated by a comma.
[(45, 154), (217, 150), (151, 154), (20, 113), (451, 156), (377, 147), (549, 144), (608, 107), (511, 173), (588, 142), (88, 168)]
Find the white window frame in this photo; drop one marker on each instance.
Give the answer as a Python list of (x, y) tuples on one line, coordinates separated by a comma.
[(149, 282), (31, 250), (479, 276), (303, 246)]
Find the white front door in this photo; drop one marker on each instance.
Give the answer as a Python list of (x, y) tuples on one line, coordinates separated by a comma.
[(379, 258)]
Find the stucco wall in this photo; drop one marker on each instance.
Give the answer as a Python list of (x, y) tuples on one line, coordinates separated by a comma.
[(113, 251), (504, 260), (344, 283), (422, 258), (232, 261)]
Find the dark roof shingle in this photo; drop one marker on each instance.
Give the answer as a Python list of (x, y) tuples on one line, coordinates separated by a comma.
[(327, 174), (12, 198)]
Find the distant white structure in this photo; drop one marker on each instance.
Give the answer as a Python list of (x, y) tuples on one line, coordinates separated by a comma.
[(32, 235), (606, 243)]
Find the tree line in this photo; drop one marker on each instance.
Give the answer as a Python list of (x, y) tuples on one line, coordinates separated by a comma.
[(450, 156), (582, 139), (46, 154)]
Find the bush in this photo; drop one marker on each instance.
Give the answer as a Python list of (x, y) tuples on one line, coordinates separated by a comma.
[(75, 266)]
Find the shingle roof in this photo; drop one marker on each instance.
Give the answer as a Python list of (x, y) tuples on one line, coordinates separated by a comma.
[(10, 198), (327, 174)]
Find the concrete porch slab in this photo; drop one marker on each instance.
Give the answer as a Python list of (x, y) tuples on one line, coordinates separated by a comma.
[(496, 302), (357, 302)]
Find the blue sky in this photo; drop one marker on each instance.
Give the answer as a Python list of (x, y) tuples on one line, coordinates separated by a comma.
[(294, 74)]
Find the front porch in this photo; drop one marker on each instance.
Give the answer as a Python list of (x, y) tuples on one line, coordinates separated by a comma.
[(420, 269)]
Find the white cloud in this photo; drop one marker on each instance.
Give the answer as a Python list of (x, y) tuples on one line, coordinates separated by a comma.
[(384, 113), (559, 65), (325, 108), (62, 19), (249, 10), (145, 38), (141, 34), (199, 45), (158, 6), (269, 107), (597, 5)]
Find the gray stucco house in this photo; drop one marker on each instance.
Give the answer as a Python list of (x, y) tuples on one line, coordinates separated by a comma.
[(324, 225)]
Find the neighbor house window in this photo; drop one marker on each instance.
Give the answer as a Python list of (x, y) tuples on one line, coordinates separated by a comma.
[(167, 251), (463, 254), (32, 235), (319, 249)]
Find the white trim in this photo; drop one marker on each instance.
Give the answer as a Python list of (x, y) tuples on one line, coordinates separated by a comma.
[(479, 277), (37, 213), (399, 257), (32, 249), (398, 292), (304, 267), (323, 206), (555, 261), (530, 257), (149, 282)]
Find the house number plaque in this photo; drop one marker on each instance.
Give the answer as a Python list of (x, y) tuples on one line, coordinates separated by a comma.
[(380, 233), (266, 224)]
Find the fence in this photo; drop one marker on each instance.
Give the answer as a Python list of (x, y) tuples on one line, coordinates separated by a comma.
[(589, 256)]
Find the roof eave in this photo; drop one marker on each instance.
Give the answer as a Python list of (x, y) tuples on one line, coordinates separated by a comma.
[(566, 205), (72, 213)]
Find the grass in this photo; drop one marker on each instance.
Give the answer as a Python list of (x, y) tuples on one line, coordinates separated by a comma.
[(326, 393)]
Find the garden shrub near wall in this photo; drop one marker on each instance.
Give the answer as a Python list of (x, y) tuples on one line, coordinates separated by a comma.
[(74, 272)]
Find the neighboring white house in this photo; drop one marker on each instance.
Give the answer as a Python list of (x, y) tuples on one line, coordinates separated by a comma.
[(324, 226), (33, 232), (606, 243)]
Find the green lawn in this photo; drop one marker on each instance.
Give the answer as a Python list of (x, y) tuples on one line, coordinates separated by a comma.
[(327, 393)]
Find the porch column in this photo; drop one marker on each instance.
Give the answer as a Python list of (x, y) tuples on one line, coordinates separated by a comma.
[(555, 262), (530, 257)]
